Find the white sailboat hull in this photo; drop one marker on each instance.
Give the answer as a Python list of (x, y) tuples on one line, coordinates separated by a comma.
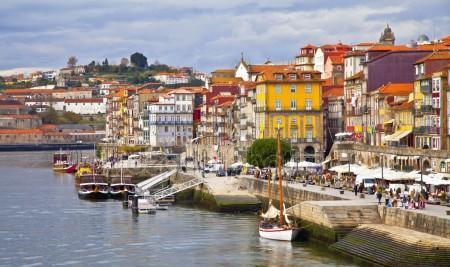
[(279, 233)]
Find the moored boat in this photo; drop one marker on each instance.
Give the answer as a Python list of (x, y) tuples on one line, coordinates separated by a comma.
[(61, 163), (121, 187), (93, 187), (117, 189), (275, 224)]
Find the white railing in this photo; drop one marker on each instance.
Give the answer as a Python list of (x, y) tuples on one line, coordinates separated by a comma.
[(175, 189)]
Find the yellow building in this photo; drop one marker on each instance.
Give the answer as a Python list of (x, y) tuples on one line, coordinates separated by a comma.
[(291, 100)]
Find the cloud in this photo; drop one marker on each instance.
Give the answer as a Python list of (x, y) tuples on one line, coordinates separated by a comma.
[(200, 33)]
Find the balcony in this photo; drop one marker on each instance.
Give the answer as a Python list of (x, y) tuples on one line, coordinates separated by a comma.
[(307, 140), (243, 116), (170, 122), (426, 108), (243, 126), (353, 113), (260, 109), (250, 124), (427, 130), (425, 87), (365, 109)]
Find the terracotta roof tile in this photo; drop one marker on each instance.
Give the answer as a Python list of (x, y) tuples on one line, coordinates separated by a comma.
[(438, 55), (21, 131), (397, 89)]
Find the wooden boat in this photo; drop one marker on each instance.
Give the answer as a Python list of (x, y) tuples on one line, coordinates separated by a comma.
[(120, 189), (275, 224), (117, 189), (93, 187)]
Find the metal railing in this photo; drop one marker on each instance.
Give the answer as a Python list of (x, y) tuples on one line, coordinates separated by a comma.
[(176, 188)]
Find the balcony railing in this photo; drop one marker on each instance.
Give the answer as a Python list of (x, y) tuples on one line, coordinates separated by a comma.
[(289, 109), (170, 122), (427, 130), (307, 140)]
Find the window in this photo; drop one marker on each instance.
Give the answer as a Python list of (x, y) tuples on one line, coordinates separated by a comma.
[(166, 129), (277, 88), (294, 134), (293, 76), (277, 104), (278, 121), (309, 135), (293, 88), (279, 76), (293, 104), (294, 120), (307, 76), (308, 88), (308, 120), (308, 104), (417, 69)]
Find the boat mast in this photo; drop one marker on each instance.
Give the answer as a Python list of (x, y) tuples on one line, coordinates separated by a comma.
[(121, 171), (280, 182)]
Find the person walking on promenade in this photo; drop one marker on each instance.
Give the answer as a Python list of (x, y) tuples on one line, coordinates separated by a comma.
[(355, 188), (379, 195)]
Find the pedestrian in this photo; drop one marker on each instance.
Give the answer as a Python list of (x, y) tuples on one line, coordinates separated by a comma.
[(355, 188), (379, 195)]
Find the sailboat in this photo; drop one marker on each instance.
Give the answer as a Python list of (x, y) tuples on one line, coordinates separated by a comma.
[(123, 188), (275, 223)]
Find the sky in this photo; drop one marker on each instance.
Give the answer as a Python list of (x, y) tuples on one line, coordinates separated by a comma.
[(204, 34)]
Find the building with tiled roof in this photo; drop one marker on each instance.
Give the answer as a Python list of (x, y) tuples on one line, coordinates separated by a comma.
[(305, 59), (291, 100), (333, 107), (325, 51)]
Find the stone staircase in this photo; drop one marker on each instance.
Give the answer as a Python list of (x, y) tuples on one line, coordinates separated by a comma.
[(394, 246)]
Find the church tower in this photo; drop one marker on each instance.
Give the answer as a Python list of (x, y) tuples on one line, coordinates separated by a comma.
[(387, 37)]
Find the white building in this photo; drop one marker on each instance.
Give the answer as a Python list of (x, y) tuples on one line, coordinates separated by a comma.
[(50, 75), (106, 87), (354, 60), (169, 122), (172, 78), (73, 93), (85, 106)]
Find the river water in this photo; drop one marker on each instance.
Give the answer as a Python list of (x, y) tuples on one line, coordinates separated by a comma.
[(43, 223)]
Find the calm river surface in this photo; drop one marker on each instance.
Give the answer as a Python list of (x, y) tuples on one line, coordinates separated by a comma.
[(42, 222)]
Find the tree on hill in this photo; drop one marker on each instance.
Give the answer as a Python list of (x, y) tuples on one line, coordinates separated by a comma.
[(72, 62), (263, 152), (138, 60)]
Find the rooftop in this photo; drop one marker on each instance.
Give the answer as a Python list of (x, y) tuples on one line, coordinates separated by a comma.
[(397, 89)]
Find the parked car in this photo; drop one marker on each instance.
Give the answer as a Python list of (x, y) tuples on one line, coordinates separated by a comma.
[(221, 173)]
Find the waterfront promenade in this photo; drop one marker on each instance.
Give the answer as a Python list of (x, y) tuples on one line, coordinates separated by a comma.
[(230, 185)]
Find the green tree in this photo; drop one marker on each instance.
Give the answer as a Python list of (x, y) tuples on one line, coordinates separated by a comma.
[(263, 152), (138, 60), (72, 62)]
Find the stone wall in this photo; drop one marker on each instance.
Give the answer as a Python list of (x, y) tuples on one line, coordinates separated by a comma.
[(434, 225)]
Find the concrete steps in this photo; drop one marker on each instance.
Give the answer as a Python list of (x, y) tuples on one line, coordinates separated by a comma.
[(393, 246)]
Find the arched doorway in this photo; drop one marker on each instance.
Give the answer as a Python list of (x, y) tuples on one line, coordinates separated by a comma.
[(310, 154), (425, 165)]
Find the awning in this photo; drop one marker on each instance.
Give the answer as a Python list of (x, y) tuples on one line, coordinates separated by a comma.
[(389, 121), (395, 137)]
